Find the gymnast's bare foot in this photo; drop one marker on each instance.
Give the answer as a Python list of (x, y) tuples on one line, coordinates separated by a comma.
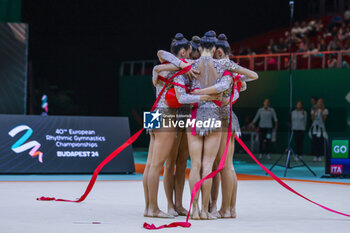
[(145, 212), (181, 211), (233, 213), (158, 214), (172, 211), (195, 213), (211, 217), (207, 216), (204, 215), (214, 211), (225, 213)]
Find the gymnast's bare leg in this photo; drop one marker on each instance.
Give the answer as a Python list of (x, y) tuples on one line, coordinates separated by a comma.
[(169, 176), (235, 183), (210, 150), (145, 173), (227, 180), (162, 146), (175, 182), (195, 145), (180, 175), (213, 209)]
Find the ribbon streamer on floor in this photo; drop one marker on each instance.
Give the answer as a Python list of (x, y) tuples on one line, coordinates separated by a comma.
[(117, 151)]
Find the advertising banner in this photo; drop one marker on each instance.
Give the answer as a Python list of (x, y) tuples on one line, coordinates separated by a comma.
[(338, 160), (63, 144)]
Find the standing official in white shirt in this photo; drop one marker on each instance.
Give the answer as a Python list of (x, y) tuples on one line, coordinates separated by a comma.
[(267, 117), (299, 119)]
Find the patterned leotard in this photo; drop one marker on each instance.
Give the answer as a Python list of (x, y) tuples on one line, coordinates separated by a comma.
[(208, 110)]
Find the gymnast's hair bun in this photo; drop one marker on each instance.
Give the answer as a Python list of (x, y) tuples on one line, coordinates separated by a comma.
[(222, 36), (178, 43), (223, 44), (179, 36), (196, 39), (208, 40), (213, 32), (210, 34), (195, 43)]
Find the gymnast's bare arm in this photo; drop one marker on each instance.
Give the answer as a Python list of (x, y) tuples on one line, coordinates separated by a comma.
[(165, 67), (251, 75), (234, 67), (219, 87), (165, 56), (185, 98), (162, 68)]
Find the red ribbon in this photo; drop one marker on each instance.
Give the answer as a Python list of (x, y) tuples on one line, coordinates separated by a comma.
[(198, 184), (282, 183), (171, 225), (222, 165), (161, 78), (117, 151), (184, 70)]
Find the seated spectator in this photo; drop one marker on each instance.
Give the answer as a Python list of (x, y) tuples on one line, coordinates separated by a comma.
[(295, 39), (296, 30), (346, 56), (313, 28), (304, 45), (271, 60), (272, 47), (335, 44), (332, 61), (282, 46), (334, 31), (327, 33), (305, 29), (250, 51), (347, 33), (347, 15), (310, 37), (336, 21), (347, 45), (243, 51), (342, 32), (312, 48), (319, 25), (321, 44)]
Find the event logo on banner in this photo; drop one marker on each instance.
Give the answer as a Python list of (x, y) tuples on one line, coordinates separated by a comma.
[(340, 149), (22, 144), (151, 120)]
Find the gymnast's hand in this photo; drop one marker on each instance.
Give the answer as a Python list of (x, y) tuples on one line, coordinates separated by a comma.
[(225, 101), (216, 97), (196, 92), (192, 73)]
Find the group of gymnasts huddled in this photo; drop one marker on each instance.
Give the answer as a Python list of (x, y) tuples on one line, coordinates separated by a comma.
[(204, 92)]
